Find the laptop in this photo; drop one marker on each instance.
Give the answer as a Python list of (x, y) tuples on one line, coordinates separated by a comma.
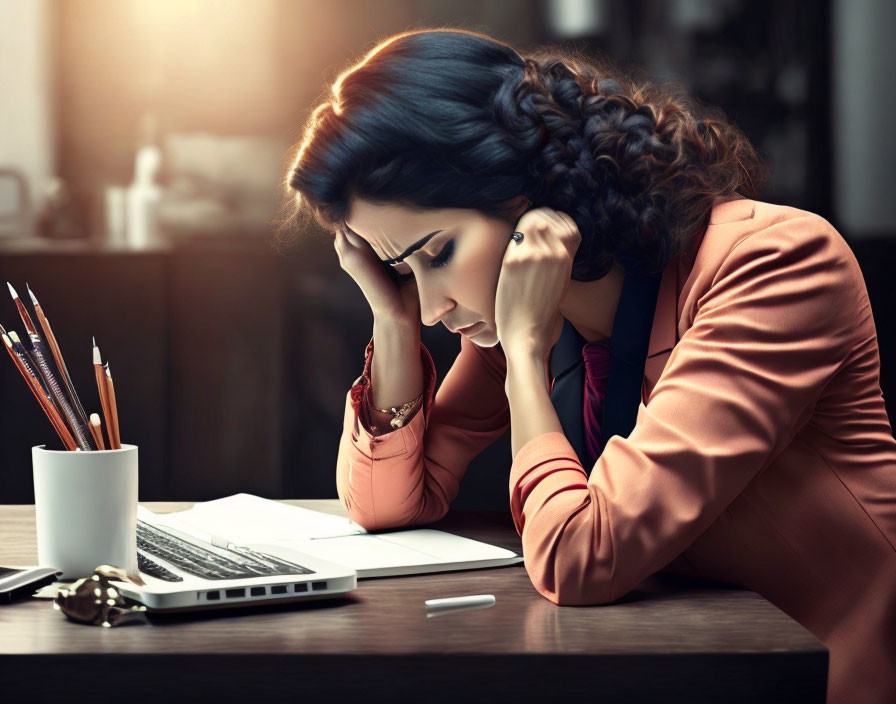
[(186, 571), (243, 550)]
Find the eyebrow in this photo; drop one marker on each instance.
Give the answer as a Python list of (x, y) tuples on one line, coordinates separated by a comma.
[(410, 250)]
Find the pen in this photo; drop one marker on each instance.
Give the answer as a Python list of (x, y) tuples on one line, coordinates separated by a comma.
[(456, 601)]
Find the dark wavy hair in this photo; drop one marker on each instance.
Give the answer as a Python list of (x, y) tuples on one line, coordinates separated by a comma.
[(449, 118)]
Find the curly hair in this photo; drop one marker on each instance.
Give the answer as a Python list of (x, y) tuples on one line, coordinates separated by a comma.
[(449, 118)]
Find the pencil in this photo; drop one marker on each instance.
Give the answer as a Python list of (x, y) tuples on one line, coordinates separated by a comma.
[(23, 312), (20, 350), (96, 431), (27, 372), (38, 352), (57, 354), (102, 389), (32, 377), (113, 412)]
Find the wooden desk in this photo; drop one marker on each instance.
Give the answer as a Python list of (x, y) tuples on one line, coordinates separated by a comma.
[(670, 640)]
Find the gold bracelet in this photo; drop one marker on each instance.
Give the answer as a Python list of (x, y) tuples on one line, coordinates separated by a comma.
[(398, 414)]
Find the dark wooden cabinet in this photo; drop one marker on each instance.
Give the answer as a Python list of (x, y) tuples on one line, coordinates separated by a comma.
[(232, 362), (121, 298)]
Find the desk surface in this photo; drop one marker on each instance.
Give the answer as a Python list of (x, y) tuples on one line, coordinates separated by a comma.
[(682, 640)]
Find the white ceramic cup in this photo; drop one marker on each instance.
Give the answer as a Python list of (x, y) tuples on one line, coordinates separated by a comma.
[(86, 509)]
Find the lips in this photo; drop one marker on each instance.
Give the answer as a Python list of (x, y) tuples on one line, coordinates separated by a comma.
[(467, 329)]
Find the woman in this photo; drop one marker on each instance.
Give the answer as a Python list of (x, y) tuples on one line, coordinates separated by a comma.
[(586, 223)]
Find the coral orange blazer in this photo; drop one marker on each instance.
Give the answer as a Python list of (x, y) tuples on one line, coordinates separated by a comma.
[(762, 454)]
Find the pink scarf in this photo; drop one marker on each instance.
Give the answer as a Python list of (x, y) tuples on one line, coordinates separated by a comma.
[(597, 368)]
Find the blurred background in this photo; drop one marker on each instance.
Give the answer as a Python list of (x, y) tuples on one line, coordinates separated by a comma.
[(142, 148)]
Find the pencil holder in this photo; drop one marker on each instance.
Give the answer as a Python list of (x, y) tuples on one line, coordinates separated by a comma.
[(86, 509)]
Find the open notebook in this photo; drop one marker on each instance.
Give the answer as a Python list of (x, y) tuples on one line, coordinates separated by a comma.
[(244, 550)]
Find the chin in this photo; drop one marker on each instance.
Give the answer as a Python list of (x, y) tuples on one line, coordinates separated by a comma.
[(485, 338)]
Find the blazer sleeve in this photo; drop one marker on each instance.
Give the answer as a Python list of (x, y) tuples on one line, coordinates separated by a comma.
[(410, 475), (765, 338)]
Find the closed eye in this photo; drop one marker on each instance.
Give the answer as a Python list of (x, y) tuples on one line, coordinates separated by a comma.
[(439, 260), (444, 256)]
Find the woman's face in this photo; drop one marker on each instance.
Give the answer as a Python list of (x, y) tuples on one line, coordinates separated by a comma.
[(456, 270)]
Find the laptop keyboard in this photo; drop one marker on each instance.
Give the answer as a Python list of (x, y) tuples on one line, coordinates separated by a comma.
[(240, 564)]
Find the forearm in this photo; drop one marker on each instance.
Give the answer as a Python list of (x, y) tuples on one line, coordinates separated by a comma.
[(396, 372), (528, 393)]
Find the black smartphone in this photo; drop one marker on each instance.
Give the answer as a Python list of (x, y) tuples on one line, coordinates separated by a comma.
[(21, 582)]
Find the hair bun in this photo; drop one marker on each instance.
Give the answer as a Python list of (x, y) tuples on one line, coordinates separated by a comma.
[(609, 86)]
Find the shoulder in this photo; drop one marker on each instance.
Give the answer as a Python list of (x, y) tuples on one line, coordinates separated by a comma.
[(783, 244)]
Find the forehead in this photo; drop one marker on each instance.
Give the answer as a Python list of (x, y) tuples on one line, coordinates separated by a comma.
[(392, 228)]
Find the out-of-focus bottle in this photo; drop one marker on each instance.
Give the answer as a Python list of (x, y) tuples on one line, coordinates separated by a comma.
[(144, 193)]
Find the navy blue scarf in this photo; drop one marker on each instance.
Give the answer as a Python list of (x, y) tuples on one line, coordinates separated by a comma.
[(629, 342)]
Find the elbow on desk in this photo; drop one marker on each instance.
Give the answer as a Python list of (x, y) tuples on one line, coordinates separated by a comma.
[(568, 572), (388, 520), (571, 590), (574, 589)]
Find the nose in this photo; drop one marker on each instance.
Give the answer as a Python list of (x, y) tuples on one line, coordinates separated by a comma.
[(433, 304)]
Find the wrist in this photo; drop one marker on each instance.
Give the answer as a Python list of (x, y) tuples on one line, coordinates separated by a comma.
[(384, 321), (524, 348), (523, 365)]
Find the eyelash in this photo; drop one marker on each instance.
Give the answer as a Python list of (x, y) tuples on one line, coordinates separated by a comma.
[(441, 260), (444, 256)]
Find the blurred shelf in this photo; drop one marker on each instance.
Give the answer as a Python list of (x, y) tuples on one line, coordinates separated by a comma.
[(40, 245)]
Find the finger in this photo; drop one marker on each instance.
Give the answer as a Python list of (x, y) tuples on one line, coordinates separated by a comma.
[(353, 239), (568, 221), (573, 238)]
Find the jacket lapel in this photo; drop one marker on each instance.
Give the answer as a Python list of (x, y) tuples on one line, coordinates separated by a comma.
[(664, 333)]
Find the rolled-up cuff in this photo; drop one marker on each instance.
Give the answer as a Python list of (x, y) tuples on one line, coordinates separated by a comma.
[(360, 396)]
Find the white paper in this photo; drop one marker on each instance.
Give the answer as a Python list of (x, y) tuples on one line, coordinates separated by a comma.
[(255, 522), (244, 518)]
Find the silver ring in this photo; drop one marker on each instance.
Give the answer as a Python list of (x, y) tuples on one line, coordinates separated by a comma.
[(517, 237)]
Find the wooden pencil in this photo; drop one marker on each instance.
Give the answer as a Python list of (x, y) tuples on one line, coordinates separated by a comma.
[(23, 312), (40, 355), (57, 354), (32, 366), (102, 389), (113, 411), (45, 403), (96, 431)]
